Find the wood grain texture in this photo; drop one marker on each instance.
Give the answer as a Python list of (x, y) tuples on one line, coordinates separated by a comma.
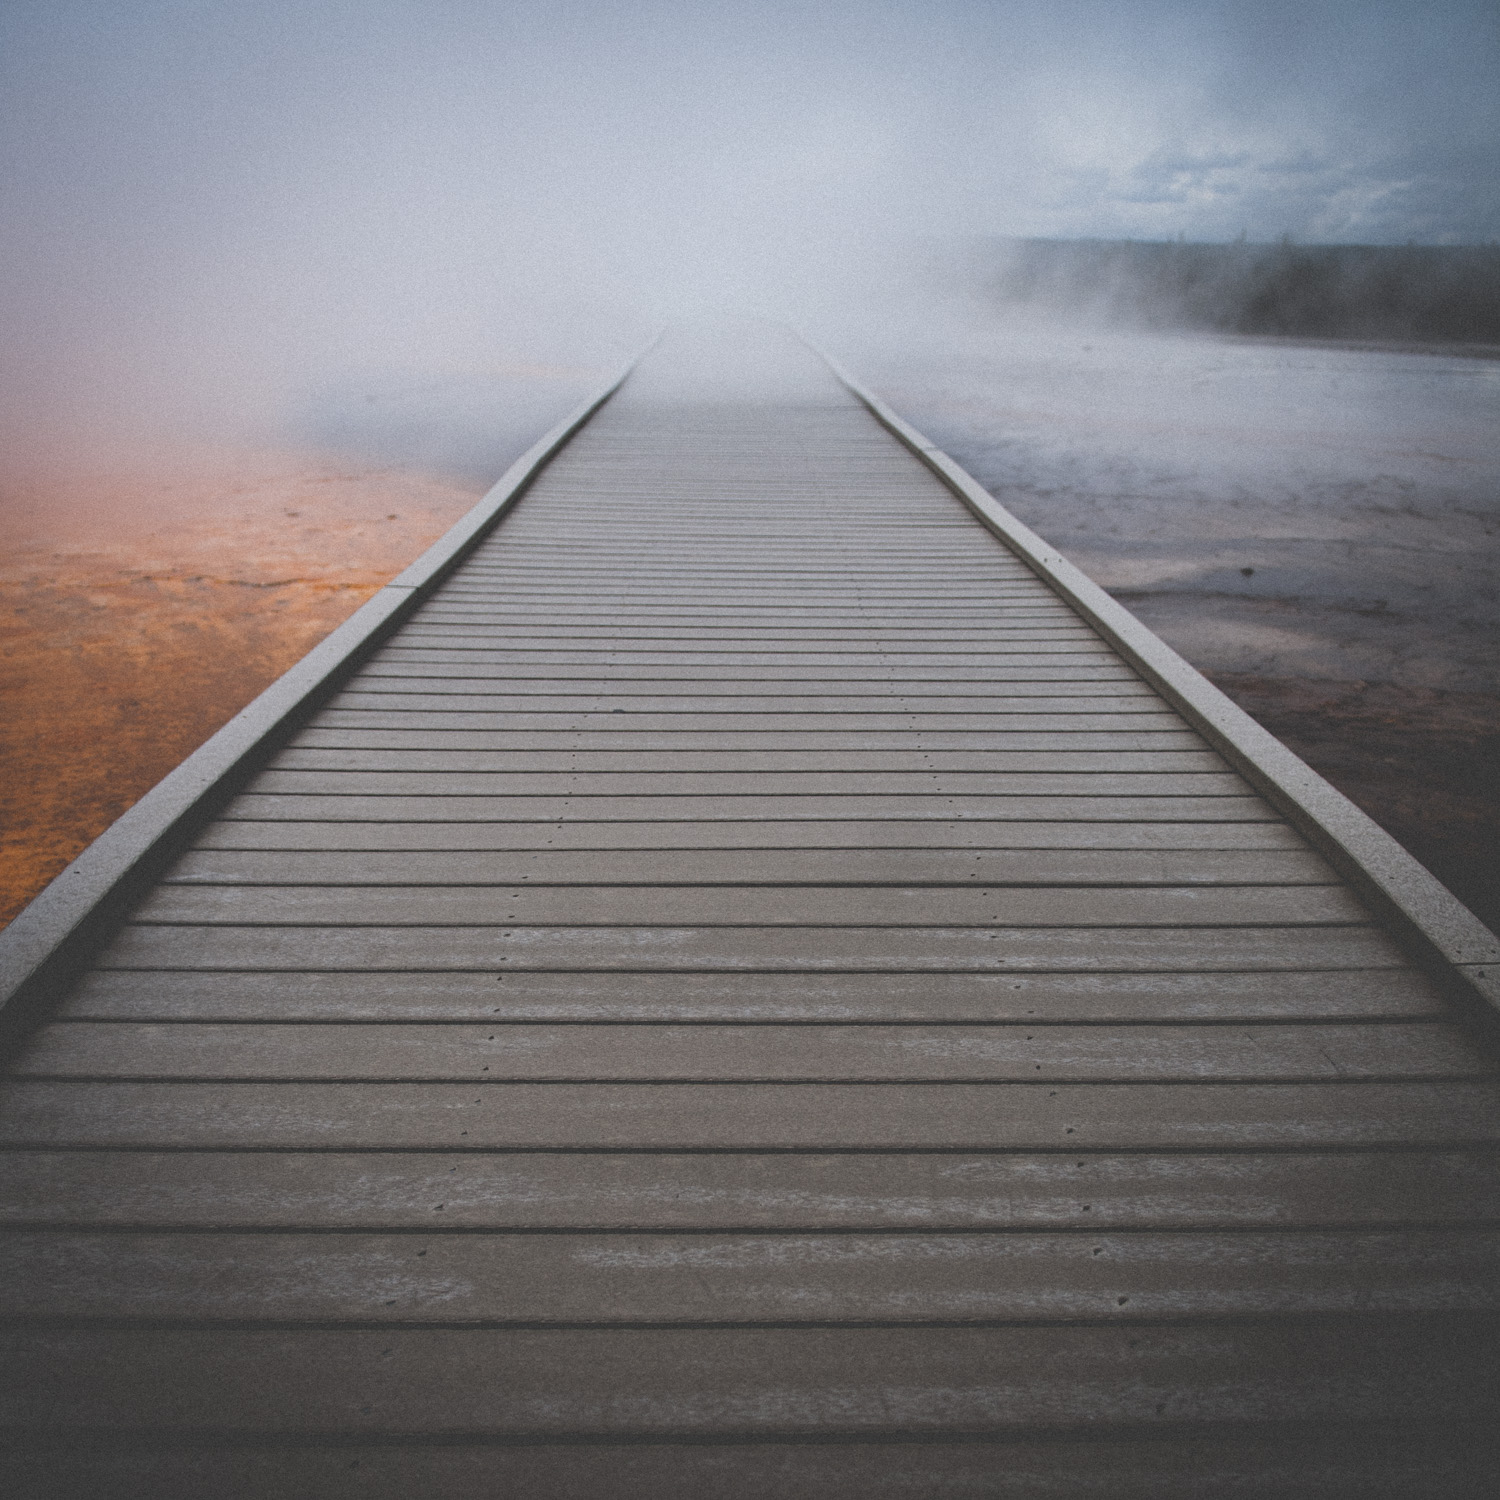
[(707, 1052), (877, 906), (943, 868), (797, 949), (755, 996), (742, 1191), (950, 838), (750, 1116), (1291, 1461), (817, 1382), (674, 808), (628, 1278)]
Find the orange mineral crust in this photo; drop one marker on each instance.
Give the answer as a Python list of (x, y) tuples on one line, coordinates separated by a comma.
[(146, 603)]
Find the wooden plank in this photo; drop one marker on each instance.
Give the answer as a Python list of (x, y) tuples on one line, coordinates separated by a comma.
[(748, 949), (1072, 699), (905, 557), (803, 721), (569, 546), (830, 597), (786, 1191), (1040, 626), (761, 694), (646, 574), (541, 586), (304, 757), (123, 994), (755, 906), (610, 686), (1030, 644), (640, 1280), (750, 1117), (879, 1382), (862, 867), (543, 635), (441, 664), (332, 780), (459, 642), (785, 664), (469, 591), (398, 659), (628, 623), (237, 831), (1030, 1051), (502, 609), (260, 806), (461, 601), (351, 731), (1288, 1461)]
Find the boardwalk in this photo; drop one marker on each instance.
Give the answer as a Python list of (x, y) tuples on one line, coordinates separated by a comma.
[(747, 992)]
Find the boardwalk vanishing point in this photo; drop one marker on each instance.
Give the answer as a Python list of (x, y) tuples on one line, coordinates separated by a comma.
[(742, 973)]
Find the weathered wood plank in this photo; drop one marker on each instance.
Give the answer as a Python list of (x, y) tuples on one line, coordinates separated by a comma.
[(930, 834), (634, 1279), (753, 647), (574, 762), (320, 995), (551, 633), (362, 730), (779, 662), (685, 674), (669, 808), (1092, 1192), (454, 607), (983, 689), (712, 1382), (544, 590), (441, 663), (863, 867), (911, 721), (845, 1053), (750, 1117), (757, 906), (1071, 699), (1288, 1461), (752, 949), (460, 606), (334, 779)]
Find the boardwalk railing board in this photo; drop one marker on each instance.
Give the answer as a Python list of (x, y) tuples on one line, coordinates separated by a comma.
[(48, 942), (1451, 940)]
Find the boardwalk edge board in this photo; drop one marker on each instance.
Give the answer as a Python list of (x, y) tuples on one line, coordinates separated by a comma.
[(52, 937), (1443, 933)]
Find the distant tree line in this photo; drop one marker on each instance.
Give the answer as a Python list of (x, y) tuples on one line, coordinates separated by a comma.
[(1418, 292)]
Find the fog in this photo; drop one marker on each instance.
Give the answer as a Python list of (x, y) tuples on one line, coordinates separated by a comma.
[(284, 285), (399, 225)]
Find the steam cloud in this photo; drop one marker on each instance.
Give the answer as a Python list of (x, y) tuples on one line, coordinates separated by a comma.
[(215, 214)]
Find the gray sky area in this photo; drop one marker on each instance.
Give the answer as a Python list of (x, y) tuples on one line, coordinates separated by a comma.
[(205, 205)]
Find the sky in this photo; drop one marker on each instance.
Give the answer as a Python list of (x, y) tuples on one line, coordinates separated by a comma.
[(204, 207)]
